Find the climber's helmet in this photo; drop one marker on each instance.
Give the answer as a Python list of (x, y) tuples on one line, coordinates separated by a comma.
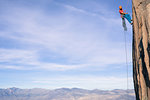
[(120, 7)]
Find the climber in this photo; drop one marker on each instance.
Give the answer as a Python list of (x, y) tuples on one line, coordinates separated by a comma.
[(125, 15)]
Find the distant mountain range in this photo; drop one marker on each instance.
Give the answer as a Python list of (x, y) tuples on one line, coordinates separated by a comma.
[(65, 94)]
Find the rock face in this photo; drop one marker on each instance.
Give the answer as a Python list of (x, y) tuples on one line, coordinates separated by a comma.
[(141, 48)]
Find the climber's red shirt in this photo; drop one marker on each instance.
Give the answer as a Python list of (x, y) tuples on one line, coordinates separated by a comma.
[(121, 12)]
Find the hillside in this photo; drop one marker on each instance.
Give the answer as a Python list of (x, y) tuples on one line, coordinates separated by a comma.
[(64, 94)]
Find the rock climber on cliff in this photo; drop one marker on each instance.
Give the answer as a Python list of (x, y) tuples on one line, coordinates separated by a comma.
[(125, 15)]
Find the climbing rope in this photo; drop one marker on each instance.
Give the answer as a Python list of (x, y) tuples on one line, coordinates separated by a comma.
[(126, 52), (126, 62), (127, 4)]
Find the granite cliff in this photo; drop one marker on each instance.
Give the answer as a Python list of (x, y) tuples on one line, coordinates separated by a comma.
[(141, 48)]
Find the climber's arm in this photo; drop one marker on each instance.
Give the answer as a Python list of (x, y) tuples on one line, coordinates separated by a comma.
[(121, 12), (125, 13)]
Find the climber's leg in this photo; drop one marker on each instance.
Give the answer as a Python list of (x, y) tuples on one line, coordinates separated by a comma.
[(124, 24), (128, 17)]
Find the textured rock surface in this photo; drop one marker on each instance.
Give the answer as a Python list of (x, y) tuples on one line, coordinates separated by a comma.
[(141, 48)]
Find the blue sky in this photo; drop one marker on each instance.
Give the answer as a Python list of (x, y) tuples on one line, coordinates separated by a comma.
[(63, 43)]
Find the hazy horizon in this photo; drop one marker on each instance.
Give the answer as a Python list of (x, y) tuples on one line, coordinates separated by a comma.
[(65, 94), (66, 88)]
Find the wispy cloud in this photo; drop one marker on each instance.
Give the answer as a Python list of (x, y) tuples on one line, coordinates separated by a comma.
[(28, 60), (87, 82), (54, 37), (103, 14), (43, 32), (72, 8)]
